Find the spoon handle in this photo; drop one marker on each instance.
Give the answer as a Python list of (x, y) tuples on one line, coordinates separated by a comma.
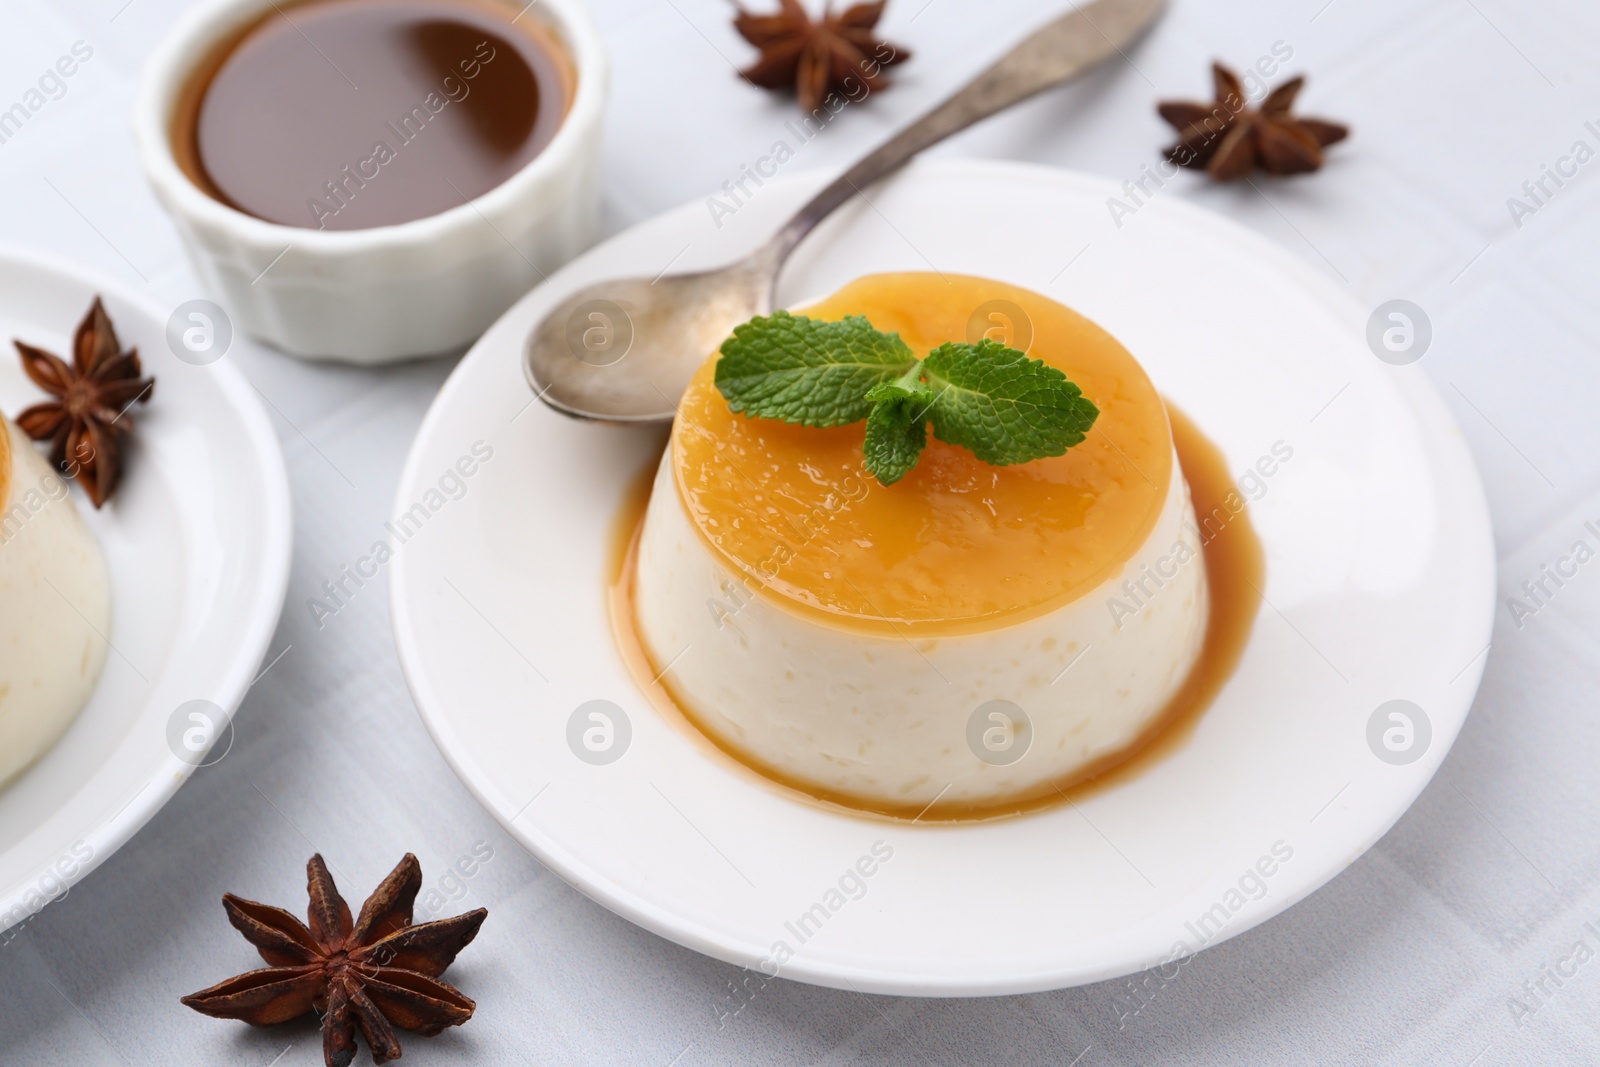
[(1055, 52)]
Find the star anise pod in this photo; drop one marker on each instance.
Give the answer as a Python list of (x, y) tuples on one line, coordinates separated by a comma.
[(816, 57), (1229, 138), (86, 422), (378, 973)]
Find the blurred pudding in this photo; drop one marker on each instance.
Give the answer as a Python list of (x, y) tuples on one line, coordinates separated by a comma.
[(55, 605), (971, 635)]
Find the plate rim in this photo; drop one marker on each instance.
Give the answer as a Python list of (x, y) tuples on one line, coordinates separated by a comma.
[(109, 834), (1423, 400)]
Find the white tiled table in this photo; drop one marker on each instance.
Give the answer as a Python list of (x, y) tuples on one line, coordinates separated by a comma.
[(1413, 955)]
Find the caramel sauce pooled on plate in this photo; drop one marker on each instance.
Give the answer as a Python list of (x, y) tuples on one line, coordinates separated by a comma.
[(350, 114)]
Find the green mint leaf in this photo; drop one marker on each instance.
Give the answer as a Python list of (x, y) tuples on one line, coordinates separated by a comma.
[(1002, 406), (897, 427), (992, 400), (807, 371)]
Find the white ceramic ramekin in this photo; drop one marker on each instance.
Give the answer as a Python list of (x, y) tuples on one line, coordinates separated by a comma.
[(390, 292)]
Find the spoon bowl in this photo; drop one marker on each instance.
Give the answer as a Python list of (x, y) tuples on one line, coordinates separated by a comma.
[(624, 350)]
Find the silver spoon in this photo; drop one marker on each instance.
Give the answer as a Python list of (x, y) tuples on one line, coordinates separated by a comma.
[(624, 350)]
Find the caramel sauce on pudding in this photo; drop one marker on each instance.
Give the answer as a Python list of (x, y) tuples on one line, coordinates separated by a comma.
[(351, 114), (1029, 537), (957, 545)]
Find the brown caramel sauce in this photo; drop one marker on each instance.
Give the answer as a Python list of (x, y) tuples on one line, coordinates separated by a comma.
[(291, 110), (1235, 570)]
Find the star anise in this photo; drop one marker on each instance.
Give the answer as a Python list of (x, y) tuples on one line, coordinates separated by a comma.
[(86, 422), (379, 972), (817, 57), (1229, 138)]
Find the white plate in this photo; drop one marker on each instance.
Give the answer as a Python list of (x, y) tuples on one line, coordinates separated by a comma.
[(1379, 580), (197, 540)]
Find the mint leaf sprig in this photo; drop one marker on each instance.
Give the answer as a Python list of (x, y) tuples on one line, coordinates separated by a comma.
[(991, 400)]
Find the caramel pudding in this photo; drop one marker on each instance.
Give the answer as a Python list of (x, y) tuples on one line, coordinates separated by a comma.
[(857, 641), (55, 605), (349, 114)]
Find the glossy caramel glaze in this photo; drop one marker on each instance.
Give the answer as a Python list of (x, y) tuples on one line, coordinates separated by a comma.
[(958, 545)]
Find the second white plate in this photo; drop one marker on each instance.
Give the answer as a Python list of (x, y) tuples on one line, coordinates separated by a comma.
[(197, 541), (1379, 588)]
